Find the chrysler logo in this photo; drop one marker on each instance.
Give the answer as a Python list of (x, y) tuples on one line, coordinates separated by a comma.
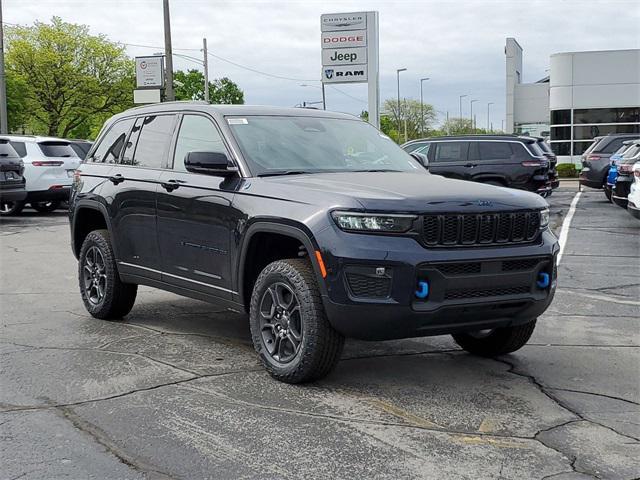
[(328, 73)]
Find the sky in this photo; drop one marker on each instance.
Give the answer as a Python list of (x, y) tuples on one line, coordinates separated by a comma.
[(459, 44)]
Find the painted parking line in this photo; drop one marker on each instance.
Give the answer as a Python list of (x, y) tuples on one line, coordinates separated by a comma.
[(566, 224)]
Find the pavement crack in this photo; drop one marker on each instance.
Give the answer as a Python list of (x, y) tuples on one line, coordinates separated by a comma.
[(111, 447)]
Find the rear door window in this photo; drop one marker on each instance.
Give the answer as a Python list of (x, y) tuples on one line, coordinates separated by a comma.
[(56, 149), (19, 147), (110, 147), (154, 141), (451, 152), (414, 147), (495, 151)]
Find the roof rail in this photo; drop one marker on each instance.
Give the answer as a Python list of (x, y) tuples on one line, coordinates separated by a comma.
[(197, 102)]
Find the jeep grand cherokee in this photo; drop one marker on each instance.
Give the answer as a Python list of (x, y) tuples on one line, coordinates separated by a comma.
[(314, 223)]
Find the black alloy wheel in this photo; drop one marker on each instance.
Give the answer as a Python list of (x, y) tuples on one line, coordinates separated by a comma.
[(281, 322)]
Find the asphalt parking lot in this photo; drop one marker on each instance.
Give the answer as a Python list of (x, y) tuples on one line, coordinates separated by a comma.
[(175, 390)]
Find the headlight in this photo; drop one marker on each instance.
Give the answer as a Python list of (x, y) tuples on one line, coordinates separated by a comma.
[(544, 218), (372, 222)]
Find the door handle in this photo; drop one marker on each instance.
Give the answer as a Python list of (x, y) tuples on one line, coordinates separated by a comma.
[(171, 185), (116, 179), (471, 165)]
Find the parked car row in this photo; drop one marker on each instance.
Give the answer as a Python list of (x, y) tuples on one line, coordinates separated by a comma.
[(514, 161), (612, 163), (48, 165)]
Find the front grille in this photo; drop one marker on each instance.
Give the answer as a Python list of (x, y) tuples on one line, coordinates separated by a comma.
[(451, 269), (368, 286), (453, 230), (461, 294)]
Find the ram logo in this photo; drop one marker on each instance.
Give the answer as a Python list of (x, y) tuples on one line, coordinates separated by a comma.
[(328, 73)]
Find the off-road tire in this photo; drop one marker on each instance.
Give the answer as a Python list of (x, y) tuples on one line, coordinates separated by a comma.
[(45, 207), (119, 297), (11, 208), (499, 342), (321, 345)]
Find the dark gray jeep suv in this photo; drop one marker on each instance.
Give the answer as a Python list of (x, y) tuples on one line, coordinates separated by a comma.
[(314, 223)]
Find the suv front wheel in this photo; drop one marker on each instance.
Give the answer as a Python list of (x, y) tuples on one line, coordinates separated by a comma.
[(497, 341), (289, 327), (103, 294)]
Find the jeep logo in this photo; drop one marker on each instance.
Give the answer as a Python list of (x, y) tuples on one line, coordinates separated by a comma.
[(351, 57)]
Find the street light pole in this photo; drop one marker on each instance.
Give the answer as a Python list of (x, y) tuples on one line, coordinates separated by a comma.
[(206, 70), (461, 97), (422, 107), (399, 116), (168, 54), (471, 115), (488, 117)]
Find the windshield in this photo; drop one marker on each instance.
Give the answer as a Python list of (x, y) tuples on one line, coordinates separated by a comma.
[(278, 145)]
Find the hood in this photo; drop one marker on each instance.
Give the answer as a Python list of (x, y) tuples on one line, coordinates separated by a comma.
[(400, 192)]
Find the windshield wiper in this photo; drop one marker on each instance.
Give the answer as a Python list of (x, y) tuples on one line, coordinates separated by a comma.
[(284, 172)]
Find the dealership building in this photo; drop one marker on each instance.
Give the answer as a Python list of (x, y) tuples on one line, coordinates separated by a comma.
[(587, 94)]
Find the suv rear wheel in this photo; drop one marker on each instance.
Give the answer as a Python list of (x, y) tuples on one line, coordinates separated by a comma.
[(497, 341), (289, 327), (11, 208), (103, 294)]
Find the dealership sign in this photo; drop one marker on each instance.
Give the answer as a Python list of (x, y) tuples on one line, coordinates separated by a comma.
[(349, 45), (150, 72)]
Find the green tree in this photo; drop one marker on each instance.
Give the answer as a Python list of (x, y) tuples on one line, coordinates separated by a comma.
[(71, 80), (413, 119), (456, 126), (190, 86)]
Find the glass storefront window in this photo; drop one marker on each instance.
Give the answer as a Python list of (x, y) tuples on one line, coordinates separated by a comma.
[(532, 129), (560, 133), (560, 117), (561, 148), (606, 115), (589, 132), (580, 147)]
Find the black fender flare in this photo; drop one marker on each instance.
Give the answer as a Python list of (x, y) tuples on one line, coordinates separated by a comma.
[(89, 205), (298, 231)]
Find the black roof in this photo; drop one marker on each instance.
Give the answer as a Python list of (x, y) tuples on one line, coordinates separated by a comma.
[(228, 110)]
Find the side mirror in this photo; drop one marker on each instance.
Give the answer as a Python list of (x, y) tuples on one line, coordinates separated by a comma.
[(213, 163), (421, 158)]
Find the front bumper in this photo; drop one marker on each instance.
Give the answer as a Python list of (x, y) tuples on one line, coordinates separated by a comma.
[(370, 291)]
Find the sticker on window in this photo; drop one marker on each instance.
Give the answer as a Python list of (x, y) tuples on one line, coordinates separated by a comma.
[(237, 121)]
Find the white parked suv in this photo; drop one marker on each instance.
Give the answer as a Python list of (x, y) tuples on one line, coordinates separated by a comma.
[(633, 207), (49, 164)]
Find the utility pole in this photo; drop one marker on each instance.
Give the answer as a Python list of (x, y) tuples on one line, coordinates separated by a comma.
[(168, 53), (206, 70), (3, 87)]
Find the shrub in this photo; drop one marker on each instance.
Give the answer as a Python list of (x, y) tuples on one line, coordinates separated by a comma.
[(567, 170)]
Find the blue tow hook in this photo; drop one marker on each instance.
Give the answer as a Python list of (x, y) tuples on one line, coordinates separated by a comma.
[(423, 289), (543, 280)]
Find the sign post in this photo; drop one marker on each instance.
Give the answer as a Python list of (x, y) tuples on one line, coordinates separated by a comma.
[(149, 79), (350, 54)]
